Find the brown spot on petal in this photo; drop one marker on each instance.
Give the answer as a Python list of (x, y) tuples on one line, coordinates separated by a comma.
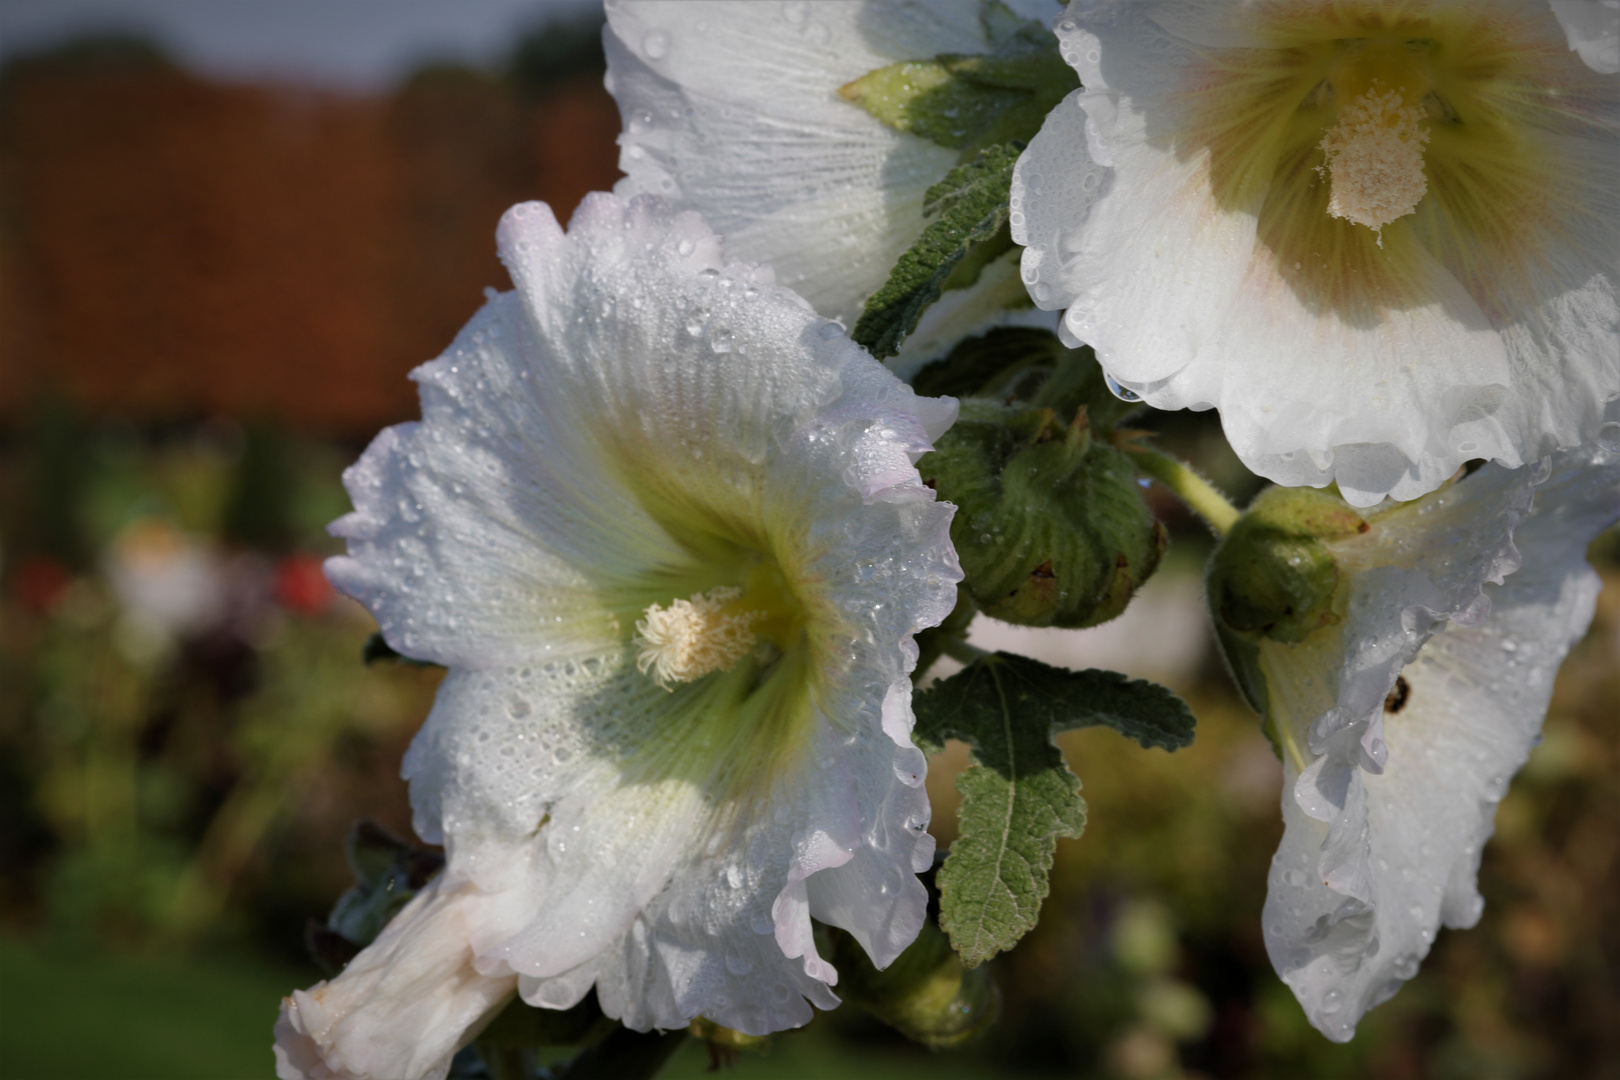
[(1398, 696)]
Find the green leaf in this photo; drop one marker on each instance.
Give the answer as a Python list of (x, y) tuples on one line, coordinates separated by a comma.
[(970, 102), (969, 208), (1020, 796)]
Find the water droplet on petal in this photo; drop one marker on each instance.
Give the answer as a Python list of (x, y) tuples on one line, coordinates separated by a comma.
[(1119, 391), (655, 44)]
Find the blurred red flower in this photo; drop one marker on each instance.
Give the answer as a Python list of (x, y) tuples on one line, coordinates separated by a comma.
[(301, 585)]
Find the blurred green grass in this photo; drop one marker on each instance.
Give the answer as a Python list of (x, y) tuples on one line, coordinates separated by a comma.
[(73, 1015)]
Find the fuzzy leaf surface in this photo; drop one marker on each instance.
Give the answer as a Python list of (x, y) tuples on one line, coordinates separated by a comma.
[(1020, 796), (969, 227)]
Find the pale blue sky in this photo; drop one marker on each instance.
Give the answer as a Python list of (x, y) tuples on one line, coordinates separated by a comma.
[(356, 44)]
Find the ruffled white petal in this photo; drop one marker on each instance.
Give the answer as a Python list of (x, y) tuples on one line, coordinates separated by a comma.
[(1491, 331), (732, 108), (1593, 28), (404, 1005), (1384, 833), (632, 424)]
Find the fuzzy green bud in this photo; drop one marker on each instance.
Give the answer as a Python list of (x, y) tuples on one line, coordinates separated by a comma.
[(1274, 577), (1050, 525)]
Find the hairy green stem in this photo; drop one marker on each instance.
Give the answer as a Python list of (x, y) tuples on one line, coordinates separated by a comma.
[(1202, 497)]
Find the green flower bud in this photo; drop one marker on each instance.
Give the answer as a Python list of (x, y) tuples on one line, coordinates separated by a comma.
[(1050, 525), (1274, 577), (926, 994)]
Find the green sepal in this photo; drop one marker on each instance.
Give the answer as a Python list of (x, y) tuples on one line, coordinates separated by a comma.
[(1019, 796), (927, 994), (1051, 527), (969, 227), (388, 872), (376, 649), (969, 102)]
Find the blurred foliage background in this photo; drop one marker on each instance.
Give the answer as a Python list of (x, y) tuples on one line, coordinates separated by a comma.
[(209, 297)]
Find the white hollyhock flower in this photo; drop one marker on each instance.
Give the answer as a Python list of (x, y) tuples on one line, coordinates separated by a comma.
[(1402, 724), (1381, 239), (405, 1004), (662, 524), (732, 108)]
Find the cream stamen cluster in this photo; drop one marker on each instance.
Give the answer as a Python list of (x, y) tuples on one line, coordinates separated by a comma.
[(1375, 159), (693, 637)]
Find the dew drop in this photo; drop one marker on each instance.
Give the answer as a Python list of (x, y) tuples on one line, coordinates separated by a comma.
[(1119, 391), (655, 44), (1331, 1001), (1609, 436)]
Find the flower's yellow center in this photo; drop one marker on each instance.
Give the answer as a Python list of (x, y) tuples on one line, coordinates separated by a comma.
[(1372, 139), (693, 637), (1374, 154), (713, 630)]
